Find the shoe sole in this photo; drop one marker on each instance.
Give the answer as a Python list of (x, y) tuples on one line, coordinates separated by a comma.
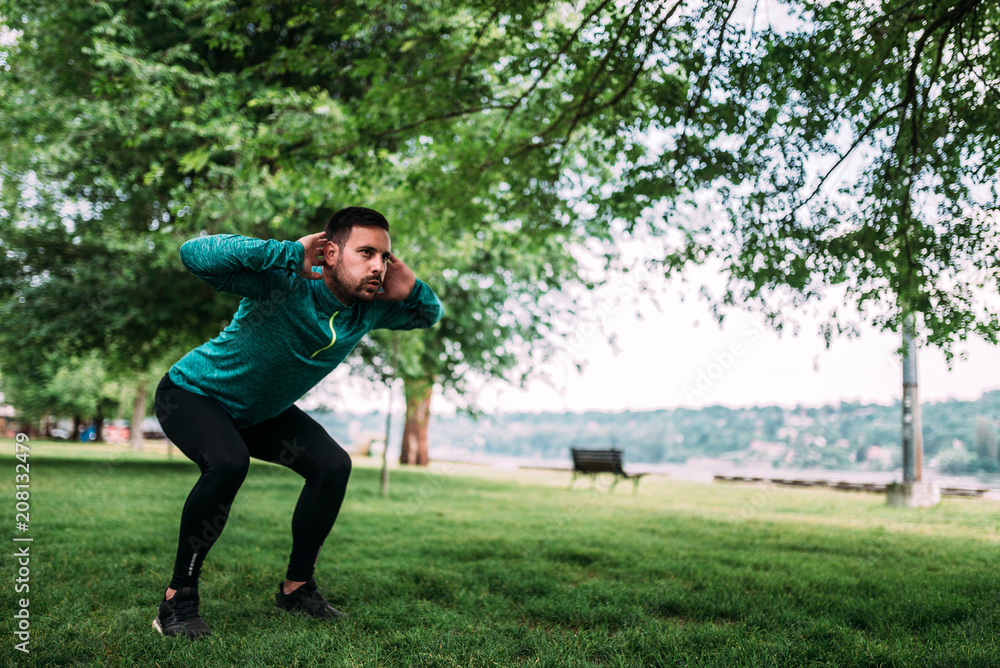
[(306, 613), (159, 629), (302, 611)]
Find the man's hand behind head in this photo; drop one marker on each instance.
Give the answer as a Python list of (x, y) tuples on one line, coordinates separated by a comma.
[(313, 243)]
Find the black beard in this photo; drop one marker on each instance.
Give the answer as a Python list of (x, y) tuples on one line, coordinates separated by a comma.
[(350, 288)]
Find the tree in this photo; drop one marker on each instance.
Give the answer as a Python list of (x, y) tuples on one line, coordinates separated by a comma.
[(110, 296), (87, 252), (509, 130), (62, 386), (867, 161)]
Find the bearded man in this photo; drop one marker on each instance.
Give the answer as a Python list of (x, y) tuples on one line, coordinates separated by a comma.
[(232, 398)]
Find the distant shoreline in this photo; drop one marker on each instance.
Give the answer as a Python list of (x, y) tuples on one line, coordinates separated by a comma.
[(706, 470)]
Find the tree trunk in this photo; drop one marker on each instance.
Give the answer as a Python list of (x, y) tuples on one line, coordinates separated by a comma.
[(418, 413), (385, 448), (77, 425), (138, 415), (99, 426)]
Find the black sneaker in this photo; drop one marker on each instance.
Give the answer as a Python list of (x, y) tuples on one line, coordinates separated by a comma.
[(179, 616), (307, 599)]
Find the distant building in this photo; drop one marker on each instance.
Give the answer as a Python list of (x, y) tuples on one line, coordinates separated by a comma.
[(877, 453), (789, 433), (814, 441), (793, 420), (768, 449), (772, 452)]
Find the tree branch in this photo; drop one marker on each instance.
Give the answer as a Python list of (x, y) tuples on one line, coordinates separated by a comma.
[(517, 103), (910, 99), (703, 79), (872, 124), (598, 71), (475, 42)]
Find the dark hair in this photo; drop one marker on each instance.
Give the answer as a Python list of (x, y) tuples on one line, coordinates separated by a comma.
[(339, 227)]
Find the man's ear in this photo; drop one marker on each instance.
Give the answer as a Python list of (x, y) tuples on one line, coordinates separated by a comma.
[(331, 252)]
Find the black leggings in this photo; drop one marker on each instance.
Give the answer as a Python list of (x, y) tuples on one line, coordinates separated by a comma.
[(202, 429)]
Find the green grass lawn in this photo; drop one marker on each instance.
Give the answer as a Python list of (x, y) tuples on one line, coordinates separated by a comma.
[(467, 566)]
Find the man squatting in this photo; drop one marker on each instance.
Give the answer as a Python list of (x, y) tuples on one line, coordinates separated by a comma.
[(232, 398)]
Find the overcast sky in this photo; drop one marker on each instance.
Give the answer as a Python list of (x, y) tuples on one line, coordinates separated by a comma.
[(679, 356), (666, 362)]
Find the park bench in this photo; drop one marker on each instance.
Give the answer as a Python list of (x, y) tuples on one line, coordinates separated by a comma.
[(593, 462)]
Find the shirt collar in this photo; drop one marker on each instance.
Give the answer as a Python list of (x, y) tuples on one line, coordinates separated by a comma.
[(327, 302)]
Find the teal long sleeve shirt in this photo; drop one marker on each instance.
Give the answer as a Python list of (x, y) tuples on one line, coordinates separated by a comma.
[(288, 333)]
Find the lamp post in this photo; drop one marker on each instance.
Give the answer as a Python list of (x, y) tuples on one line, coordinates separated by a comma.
[(913, 491), (913, 438)]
